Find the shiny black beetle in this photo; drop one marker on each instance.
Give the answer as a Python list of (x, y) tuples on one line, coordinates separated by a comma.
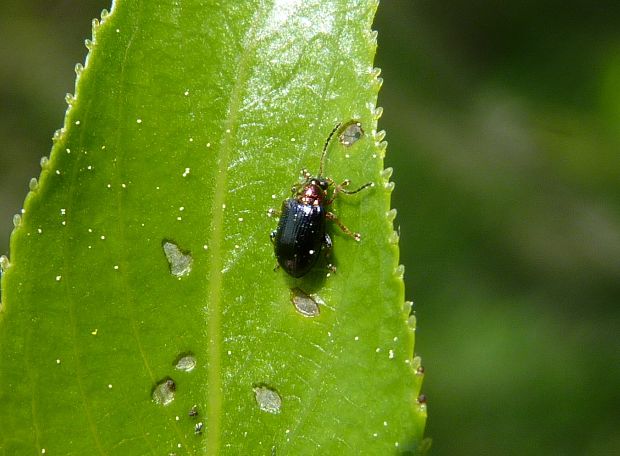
[(301, 230)]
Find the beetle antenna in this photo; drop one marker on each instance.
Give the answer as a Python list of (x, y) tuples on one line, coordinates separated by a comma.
[(329, 138)]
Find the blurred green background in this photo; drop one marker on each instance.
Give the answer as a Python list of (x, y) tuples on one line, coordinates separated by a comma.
[(504, 128)]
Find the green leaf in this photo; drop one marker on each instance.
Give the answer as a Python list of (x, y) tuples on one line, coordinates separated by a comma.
[(141, 301)]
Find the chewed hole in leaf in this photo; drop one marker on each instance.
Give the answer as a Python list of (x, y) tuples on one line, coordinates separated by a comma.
[(268, 399), (185, 362), (164, 391), (351, 134), (180, 261), (305, 304)]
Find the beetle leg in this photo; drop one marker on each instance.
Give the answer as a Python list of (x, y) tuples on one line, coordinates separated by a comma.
[(338, 189), (273, 213), (341, 189), (347, 231)]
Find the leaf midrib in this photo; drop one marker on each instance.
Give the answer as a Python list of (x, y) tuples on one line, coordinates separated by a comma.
[(215, 275)]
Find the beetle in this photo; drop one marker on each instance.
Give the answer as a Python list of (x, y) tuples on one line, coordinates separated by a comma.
[(301, 232)]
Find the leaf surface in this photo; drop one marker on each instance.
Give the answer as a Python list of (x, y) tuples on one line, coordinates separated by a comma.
[(141, 310)]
